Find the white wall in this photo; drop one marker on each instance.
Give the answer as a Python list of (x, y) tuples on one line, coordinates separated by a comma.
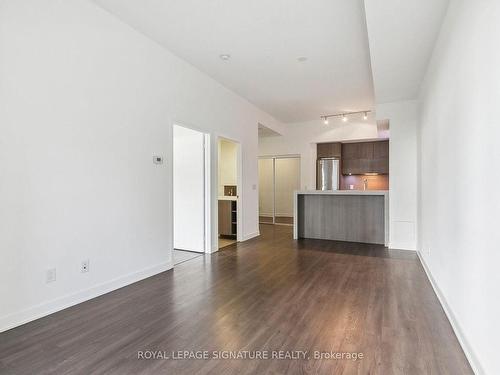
[(459, 176), (403, 118), (85, 101), (301, 138), (228, 164), (189, 189)]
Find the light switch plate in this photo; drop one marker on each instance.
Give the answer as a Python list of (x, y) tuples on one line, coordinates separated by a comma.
[(50, 276), (85, 266)]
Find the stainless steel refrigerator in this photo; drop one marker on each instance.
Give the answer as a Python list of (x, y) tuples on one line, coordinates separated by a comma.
[(327, 174)]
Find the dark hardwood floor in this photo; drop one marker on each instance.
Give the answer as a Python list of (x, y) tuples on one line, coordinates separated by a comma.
[(270, 293)]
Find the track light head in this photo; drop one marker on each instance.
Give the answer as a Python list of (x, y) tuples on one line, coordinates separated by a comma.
[(345, 116)]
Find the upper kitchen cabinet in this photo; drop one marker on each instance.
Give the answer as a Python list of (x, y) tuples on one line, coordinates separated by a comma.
[(365, 157), (329, 150), (381, 150)]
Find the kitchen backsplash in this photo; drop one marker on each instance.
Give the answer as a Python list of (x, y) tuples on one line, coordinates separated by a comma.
[(378, 182)]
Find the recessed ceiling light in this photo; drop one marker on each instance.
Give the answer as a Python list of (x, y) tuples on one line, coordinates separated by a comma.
[(301, 58), (225, 57)]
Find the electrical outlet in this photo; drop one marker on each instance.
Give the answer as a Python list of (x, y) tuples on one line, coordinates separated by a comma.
[(85, 266), (50, 275)]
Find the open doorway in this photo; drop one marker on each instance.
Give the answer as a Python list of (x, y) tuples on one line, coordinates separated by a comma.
[(229, 205), (279, 177), (190, 193)]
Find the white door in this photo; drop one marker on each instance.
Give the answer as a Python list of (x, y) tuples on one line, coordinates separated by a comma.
[(286, 181), (189, 189)]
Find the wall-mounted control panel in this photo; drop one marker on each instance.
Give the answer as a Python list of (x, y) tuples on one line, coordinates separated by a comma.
[(157, 159)]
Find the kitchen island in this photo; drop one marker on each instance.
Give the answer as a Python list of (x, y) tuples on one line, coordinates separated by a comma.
[(342, 215)]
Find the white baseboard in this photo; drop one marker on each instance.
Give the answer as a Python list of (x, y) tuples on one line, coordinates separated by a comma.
[(250, 236), (469, 353), (401, 246), (46, 308)]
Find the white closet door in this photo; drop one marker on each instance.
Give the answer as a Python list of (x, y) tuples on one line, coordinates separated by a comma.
[(287, 180)]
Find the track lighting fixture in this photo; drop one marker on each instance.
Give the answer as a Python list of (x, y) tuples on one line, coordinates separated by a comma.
[(345, 115)]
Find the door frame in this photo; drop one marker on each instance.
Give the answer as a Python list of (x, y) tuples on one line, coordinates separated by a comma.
[(273, 158), (239, 185), (206, 182)]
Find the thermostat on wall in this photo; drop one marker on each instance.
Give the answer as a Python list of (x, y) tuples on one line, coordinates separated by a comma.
[(158, 159)]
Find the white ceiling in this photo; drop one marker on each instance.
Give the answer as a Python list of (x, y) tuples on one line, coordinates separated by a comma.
[(264, 39), (402, 36)]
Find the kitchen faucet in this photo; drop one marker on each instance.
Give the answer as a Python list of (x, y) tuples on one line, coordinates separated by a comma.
[(365, 184)]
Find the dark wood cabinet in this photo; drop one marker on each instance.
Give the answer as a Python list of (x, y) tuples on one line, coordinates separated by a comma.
[(227, 217), (350, 151), (355, 166), (365, 157), (360, 150), (366, 150), (329, 150), (381, 150)]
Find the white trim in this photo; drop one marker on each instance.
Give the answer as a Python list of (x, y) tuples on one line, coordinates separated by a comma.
[(207, 200), (401, 246), (46, 308), (295, 215), (239, 189), (207, 171), (462, 339), (274, 158), (250, 236), (285, 156)]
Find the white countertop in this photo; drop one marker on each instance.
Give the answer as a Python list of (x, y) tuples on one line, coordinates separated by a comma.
[(228, 198), (342, 192)]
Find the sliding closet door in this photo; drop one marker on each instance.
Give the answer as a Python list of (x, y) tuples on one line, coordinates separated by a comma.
[(266, 191), (279, 177), (287, 180)]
